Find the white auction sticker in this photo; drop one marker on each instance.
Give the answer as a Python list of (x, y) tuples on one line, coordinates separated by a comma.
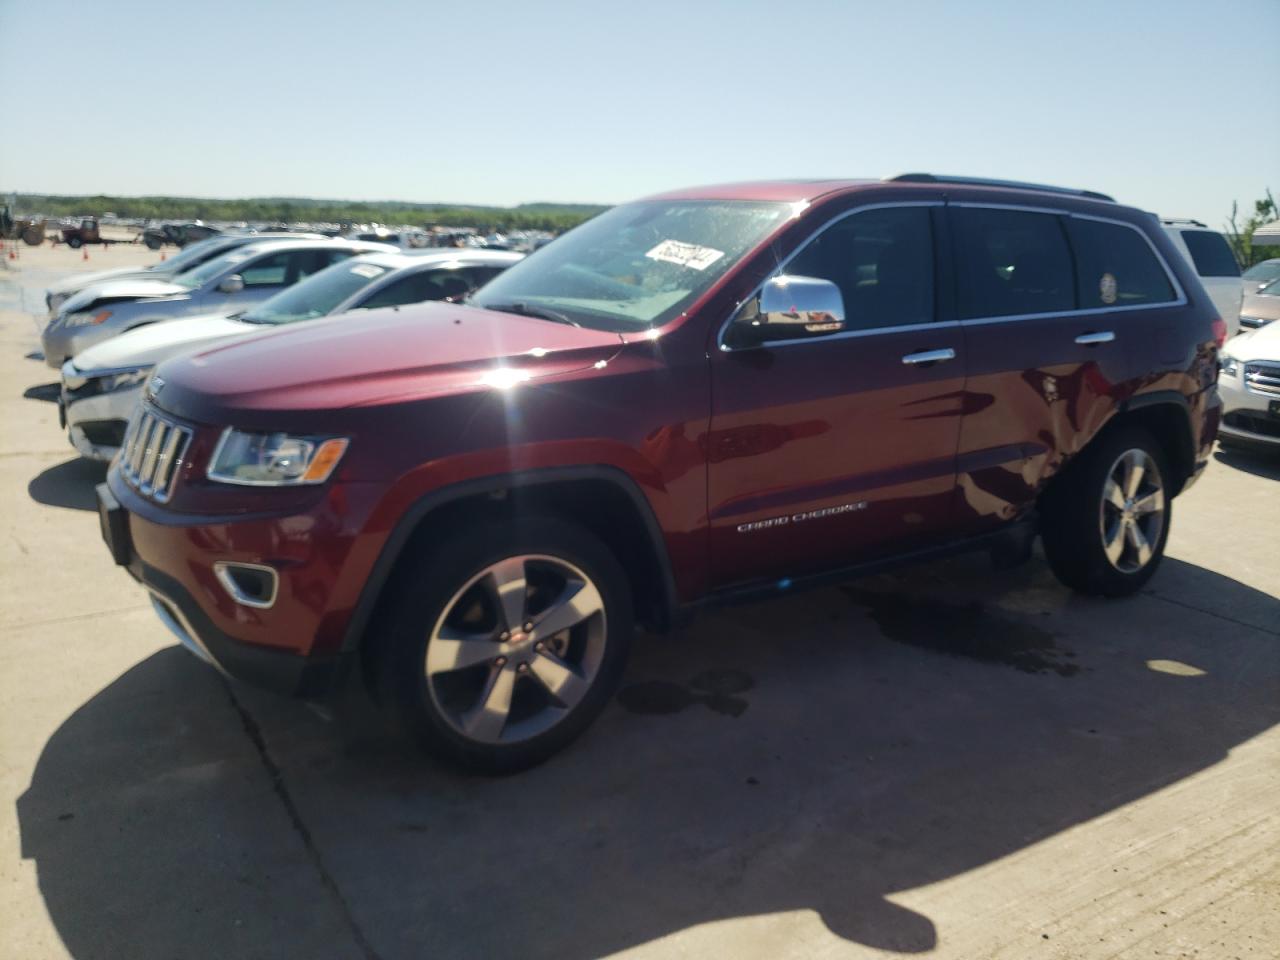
[(685, 254), (366, 270)]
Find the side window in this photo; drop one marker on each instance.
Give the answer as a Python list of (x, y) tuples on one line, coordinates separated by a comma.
[(421, 287), (268, 271), (882, 261), (1011, 263), (1211, 254), (1115, 266)]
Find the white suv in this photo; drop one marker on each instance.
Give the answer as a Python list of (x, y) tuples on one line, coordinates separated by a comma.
[(1210, 256)]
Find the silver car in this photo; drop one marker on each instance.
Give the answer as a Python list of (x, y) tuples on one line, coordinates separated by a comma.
[(232, 282), (101, 386), (190, 257)]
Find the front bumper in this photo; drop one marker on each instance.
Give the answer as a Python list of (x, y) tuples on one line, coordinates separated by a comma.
[(1249, 414), (60, 343), (292, 645), (96, 424)]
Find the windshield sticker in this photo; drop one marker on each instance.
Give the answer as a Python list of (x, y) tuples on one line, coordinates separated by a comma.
[(685, 254), (366, 270)]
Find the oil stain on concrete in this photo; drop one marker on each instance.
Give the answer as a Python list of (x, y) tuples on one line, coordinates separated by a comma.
[(969, 630), (715, 689)]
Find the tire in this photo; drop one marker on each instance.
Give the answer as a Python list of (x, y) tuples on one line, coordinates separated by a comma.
[(1088, 524), (152, 243), (441, 662), (33, 236), (75, 243)]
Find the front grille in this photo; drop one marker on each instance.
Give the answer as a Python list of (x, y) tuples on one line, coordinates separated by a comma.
[(152, 452), (1259, 423), (1263, 376)]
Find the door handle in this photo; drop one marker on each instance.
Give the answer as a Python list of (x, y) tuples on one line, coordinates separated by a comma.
[(929, 356), (1095, 337)]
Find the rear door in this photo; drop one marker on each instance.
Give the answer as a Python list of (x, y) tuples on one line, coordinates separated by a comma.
[(833, 450), (1047, 302)]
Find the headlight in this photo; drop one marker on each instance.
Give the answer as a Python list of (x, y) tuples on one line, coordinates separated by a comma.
[(1230, 366), (274, 459), (121, 381), (86, 319)]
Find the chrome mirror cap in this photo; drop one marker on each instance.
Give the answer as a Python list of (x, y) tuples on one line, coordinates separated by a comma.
[(232, 284), (792, 306)]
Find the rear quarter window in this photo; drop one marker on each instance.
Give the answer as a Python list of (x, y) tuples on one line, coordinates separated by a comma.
[(1210, 253), (1116, 267)]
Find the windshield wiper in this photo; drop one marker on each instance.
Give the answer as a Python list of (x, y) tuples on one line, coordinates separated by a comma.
[(525, 310)]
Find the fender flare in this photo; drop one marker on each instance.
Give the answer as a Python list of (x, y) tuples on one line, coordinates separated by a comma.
[(397, 540)]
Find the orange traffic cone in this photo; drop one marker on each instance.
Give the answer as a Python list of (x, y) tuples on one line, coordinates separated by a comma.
[(162, 256), (85, 254)]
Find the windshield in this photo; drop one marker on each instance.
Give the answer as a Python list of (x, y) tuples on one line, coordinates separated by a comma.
[(1263, 272), (1272, 289), (202, 274), (634, 266), (192, 255), (318, 295)]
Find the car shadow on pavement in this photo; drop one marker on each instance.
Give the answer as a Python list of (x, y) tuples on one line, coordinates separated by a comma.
[(1260, 463), (69, 484), (827, 752), (48, 392)]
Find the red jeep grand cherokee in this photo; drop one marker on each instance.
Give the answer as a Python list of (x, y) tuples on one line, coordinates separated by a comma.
[(707, 395)]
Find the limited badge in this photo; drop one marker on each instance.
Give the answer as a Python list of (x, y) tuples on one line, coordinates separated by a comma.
[(1107, 288)]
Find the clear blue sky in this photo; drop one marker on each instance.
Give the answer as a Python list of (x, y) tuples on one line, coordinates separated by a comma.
[(1160, 103)]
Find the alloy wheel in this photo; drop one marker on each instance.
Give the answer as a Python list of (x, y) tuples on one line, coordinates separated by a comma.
[(1132, 512), (516, 649)]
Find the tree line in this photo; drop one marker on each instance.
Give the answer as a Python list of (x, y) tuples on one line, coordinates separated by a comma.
[(530, 216)]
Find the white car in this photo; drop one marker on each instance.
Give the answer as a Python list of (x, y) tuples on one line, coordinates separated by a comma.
[(1210, 256), (1250, 387), (101, 385)]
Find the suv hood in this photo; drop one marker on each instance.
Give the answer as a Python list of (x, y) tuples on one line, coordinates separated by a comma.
[(148, 345), (1260, 344), (138, 289), (382, 356)]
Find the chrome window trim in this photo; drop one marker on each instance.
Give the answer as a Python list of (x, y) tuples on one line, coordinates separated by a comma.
[(1179, 301), (778, 270)]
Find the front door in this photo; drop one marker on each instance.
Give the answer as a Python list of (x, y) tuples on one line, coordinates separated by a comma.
[(829, 451)]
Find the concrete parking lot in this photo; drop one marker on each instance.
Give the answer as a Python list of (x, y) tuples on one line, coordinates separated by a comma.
[(949, 762)]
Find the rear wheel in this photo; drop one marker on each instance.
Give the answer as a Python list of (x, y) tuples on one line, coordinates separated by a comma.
[(1106, 520), (505, 642), (153, 243), (74, 243)]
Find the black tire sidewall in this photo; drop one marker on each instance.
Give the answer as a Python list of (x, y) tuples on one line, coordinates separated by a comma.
[(1070, 529), (431, 583)]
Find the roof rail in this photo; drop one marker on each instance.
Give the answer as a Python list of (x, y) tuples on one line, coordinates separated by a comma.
[(985, 182), (1173, 220)]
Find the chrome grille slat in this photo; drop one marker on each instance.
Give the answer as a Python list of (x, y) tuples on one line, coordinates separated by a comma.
[(146, 475), (152, 453), (1262, 376)]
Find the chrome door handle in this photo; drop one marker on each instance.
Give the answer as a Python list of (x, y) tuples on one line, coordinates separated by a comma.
[(1089, 339), (929, 356)]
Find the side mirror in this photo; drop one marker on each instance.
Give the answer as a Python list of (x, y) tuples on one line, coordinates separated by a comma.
[(231, 284), (790, 308)]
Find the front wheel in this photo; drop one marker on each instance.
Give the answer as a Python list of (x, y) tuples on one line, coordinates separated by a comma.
[(504, 642), (1106, 520), (74, 243)]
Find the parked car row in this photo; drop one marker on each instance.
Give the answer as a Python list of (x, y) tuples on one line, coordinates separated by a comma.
[(697, 398), (101, 385)]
